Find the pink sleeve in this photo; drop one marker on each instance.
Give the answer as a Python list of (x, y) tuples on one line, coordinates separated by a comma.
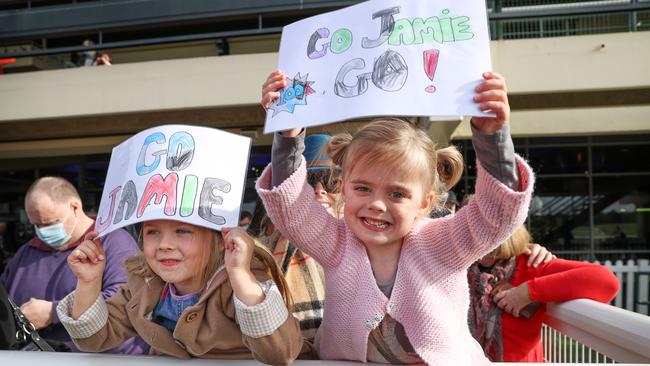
[(492, 215), (563, 280), (293, 209)]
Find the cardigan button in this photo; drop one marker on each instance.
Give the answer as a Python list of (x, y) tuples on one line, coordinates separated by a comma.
[(370, 325), (191, 317)]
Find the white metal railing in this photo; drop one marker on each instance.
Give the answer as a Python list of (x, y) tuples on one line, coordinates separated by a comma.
[(608, 332), (591, 332), (634, 278)]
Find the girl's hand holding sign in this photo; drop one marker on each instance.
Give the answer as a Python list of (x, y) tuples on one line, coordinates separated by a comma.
[(87, 262), (491, 95)]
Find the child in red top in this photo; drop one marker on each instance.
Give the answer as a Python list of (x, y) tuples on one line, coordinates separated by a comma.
[(497, 318)]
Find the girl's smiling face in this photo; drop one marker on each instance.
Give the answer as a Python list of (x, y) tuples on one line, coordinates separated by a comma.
[(382, 204), (173, 251)]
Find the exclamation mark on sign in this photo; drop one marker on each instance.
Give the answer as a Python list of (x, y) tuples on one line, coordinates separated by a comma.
[(430, 65)]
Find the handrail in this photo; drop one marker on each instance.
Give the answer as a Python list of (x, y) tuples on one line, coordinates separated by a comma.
[(148, 42), (617, 333)]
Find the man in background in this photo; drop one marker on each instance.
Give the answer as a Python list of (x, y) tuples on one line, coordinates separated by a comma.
[(38, 275)]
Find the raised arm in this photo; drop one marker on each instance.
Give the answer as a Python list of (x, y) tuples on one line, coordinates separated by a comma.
[(286, 154), (491, 136), (270, 332), (288, 145), (288, 199), (503, 186), (87, 262), (85, 313)]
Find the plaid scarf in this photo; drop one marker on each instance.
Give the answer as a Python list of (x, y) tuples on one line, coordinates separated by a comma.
[(305, 279), (484, 315)]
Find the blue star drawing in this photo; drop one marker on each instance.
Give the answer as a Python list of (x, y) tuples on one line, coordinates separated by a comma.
[(293, 95)]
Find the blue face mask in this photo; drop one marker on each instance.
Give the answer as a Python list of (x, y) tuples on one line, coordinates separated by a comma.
[(55, 235)]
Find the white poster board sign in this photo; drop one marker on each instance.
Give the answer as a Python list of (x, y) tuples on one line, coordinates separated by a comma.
[(175, 172), (382, 57)]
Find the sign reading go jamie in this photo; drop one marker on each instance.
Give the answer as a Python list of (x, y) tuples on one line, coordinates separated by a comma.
[(175, 172), (382, 57)]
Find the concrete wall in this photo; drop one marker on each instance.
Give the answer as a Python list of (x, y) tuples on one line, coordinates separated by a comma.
[(593, 62), (124, 94), (143, 86)]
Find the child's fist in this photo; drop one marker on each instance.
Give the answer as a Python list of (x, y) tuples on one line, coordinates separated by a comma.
[(270, 89), (238, 249), (88, 260)]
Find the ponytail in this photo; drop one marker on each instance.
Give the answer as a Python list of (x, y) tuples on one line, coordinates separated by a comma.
[(450, 166), (337, 146)]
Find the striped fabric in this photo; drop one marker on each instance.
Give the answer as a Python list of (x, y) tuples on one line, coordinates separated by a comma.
[(305, 279), (388, 344)]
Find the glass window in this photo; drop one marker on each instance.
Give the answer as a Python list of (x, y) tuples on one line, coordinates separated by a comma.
[(617, 159), (558, 160), (644, 138), (622, 213), (558, 140), (13, 184), (470, 160), (559, 213), (259, 158)]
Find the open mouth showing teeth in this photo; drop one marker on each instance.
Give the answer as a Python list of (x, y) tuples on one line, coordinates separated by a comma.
[(376, 223)]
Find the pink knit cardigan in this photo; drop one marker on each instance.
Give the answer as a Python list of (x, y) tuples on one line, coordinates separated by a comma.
[(430, 297)]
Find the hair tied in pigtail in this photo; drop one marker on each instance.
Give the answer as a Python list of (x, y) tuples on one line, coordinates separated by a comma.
[(449, 166), (337, 147), (444, 169)]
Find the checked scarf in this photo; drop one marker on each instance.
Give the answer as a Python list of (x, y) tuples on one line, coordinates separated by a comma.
[(305, 279), (484, 315)]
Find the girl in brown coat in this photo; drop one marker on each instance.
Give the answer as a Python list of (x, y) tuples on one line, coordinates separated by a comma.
[(191, 293)]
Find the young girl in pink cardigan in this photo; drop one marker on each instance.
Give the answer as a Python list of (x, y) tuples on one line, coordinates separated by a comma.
[(396, 285)]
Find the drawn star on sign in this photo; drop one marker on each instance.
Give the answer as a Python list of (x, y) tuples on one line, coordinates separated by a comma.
[(293, 95)]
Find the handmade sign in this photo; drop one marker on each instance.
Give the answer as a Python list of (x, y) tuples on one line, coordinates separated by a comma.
[(175, 172), (382, 57)]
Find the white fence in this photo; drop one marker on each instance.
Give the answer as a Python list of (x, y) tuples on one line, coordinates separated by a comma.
[(560, 348), (635, 284)]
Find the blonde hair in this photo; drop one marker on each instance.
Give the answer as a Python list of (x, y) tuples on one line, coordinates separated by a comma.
[(515, 245), (214, 253), (397, 143)]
